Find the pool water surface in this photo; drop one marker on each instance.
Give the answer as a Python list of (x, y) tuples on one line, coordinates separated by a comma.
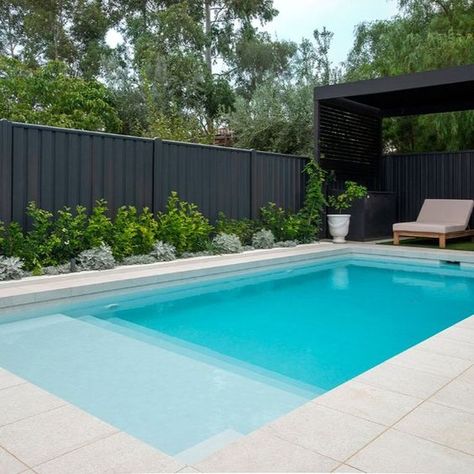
[(190, 368)]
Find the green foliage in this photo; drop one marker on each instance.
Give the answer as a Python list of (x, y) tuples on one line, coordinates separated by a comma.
[(67, 238), (49, 95), (99, 226), (344, 200), (243, 228), (183, 226), (133, 233), (12, 240), (283, 224), (278, 114), (427, 35), (314, 202)]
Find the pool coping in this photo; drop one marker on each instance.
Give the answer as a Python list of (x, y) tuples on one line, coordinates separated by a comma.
[(378, 421), (16, 293)]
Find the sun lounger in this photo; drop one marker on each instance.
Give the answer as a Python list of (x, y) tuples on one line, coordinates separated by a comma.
[(440, 219)]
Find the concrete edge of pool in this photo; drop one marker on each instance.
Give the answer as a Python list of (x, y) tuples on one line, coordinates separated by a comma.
[(412, 413)]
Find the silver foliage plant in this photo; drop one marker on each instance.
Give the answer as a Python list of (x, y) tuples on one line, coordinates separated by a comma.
[(57, 270), (263, 239), (99, 258), (226, 243), (163, 252), (11, 268), (138, 260)]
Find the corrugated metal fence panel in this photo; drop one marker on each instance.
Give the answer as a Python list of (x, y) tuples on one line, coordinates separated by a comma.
[(6, 160), (215, 178), (438, 175), (57, 167), (279, 179)]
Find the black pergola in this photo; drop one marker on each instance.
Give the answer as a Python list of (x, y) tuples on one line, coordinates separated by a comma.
[(348, 117)]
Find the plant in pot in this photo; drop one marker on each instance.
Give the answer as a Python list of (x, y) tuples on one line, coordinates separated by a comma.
[(339, 223)]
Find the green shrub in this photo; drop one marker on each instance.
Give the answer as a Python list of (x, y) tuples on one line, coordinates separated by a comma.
[(344, 200), (183, 226), (13, 240), (133, 233), (37, 247), (99, 226), (314, 202), (242, 228), (67, 239)]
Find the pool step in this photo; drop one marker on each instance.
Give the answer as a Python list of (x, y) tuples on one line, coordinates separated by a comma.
[(208, 356), (202, 450)]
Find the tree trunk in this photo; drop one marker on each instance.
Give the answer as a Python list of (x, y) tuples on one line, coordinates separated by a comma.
[(208, 26)]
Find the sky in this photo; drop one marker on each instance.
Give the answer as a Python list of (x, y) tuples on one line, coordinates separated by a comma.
[(299, 18)]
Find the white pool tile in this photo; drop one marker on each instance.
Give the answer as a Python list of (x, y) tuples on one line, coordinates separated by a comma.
[(395, 451), (368, 402), (458, 333), (449, 347), (457, 394), (441, 424), (25, 400), (7, 379), (326, 431), (406, 380), (118, 453), (438, 364), (346, 468), (467, 323), (9, 464), (42, 437), (262, 451), (467, 376)]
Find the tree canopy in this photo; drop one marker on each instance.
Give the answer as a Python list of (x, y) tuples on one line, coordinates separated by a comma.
[(182, 69)]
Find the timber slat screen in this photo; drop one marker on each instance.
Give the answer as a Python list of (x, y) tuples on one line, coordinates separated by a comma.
[(58, 167), (436, 175), (349, 143)]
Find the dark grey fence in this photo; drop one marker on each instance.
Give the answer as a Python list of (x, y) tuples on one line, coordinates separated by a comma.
[(437, 175), (61, 167)]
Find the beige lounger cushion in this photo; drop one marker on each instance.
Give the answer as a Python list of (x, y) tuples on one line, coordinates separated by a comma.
[(440, 215), (420, 227)]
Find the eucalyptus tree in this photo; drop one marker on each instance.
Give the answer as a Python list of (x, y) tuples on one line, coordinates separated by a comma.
[(426, 35), (72, 31)]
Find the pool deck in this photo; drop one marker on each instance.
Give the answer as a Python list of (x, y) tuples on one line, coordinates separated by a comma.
[(412, 413)]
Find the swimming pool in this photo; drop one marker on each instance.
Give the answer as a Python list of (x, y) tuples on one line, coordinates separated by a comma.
[(192, 367)]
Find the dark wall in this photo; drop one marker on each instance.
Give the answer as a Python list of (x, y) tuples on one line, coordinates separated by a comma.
[(437, 175), (61, 167)]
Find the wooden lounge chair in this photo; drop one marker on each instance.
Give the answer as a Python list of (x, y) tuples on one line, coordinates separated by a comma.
[(439, 219)]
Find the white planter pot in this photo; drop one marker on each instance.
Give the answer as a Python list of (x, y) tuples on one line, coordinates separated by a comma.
[(339, 227)]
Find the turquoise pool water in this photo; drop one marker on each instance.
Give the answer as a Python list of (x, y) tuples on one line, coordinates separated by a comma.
[(190, 368)]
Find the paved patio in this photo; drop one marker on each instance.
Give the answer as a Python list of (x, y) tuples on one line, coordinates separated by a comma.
[(413, 413)]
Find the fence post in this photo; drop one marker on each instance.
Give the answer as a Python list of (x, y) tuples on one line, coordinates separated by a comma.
[(157, 154), (253, 185), (6, 170)]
